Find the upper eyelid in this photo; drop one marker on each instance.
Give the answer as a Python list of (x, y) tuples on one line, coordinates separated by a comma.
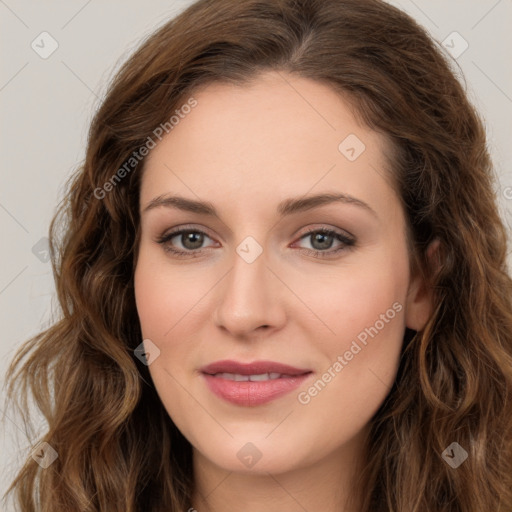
[(176, 231)]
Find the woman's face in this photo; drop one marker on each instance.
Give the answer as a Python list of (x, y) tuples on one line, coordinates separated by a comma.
[(251, 284)]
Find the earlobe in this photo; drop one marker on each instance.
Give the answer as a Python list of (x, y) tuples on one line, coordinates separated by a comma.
[(419, 302)]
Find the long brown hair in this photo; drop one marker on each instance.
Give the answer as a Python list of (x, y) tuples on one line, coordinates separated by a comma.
[(118, 450)]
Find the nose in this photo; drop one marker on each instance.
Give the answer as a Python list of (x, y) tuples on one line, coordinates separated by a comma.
[(250, 299)]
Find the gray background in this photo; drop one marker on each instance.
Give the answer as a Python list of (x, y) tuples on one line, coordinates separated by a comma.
[(47, 104)]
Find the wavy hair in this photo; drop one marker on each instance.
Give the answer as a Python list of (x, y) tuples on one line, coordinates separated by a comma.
[(118, 448)]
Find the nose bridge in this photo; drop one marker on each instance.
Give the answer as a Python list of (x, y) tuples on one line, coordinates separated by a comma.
[(249, 297)]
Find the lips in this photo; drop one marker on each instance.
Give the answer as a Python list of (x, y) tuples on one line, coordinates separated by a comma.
[(255, 368), (254, 383)]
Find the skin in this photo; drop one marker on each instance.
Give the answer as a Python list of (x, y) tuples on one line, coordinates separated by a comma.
[(245, 149)]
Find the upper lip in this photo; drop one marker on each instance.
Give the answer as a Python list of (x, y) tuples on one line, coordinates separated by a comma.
[(254, 368)]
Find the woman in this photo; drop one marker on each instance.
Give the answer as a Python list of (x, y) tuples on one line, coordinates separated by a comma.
[(206, 358)]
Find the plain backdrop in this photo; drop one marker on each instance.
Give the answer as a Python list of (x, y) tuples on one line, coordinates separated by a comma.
[(47, 101)]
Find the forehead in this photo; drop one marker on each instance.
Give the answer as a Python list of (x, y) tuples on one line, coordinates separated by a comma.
[(275, 137)]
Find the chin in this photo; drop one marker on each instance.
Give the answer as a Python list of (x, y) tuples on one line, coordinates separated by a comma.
[(258, 457)]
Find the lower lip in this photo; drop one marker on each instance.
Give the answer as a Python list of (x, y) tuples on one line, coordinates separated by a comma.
[(249, 393)]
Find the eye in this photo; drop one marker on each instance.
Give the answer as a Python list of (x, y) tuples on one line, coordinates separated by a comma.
[(322, 240), (191, 241)]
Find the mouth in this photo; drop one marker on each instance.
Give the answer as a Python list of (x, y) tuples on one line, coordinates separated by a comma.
[(238, 377), (254, 383), (256, 368)]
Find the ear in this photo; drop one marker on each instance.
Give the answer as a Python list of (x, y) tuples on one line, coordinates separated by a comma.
[(419, 302)]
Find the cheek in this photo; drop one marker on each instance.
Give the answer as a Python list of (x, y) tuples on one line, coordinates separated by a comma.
[(352, 298), (163, 305), (364, 310), (163, 294), (149, 295)]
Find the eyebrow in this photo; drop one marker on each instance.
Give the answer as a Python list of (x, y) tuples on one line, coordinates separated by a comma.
[(284, 208)]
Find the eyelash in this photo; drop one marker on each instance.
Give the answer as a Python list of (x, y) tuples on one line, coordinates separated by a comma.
[(347, 242)]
